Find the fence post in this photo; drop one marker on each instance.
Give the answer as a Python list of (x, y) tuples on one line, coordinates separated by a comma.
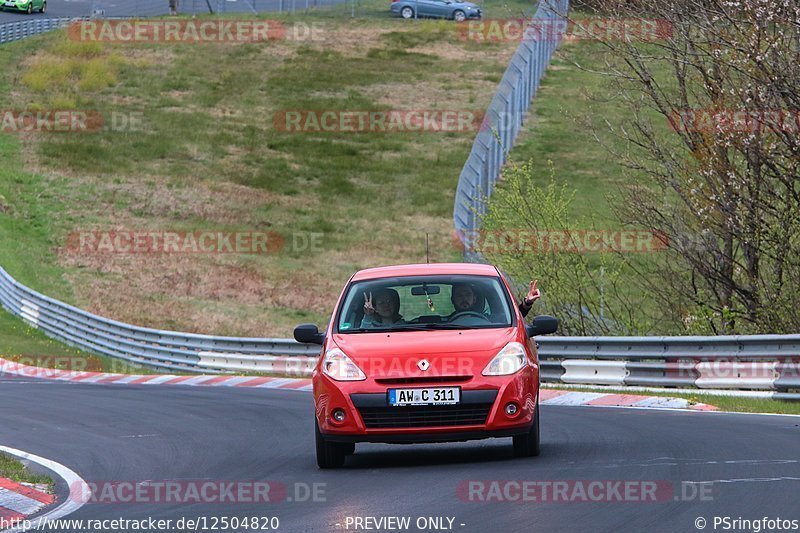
[(504, 117)]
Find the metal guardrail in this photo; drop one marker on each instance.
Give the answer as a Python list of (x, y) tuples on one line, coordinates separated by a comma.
[(163, 349), (504, 119), (757, 362), (737, 362), (14, 31)]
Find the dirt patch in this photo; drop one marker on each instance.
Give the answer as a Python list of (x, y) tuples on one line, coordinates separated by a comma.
[(349, 40)]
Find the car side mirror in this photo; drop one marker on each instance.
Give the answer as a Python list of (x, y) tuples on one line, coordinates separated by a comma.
[(309, 334), (542, 325)]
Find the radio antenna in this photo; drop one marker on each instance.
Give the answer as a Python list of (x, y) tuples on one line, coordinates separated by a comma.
[(427, 250)]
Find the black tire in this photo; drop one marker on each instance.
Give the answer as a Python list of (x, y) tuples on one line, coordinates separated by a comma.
[(459, 16), (527, 444), (329, 454), (30, 8), (44, 7), (349, 448), (407, 13)]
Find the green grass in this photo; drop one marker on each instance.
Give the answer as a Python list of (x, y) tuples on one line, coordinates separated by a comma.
[(208, 157), (569, 144), (723, 403), (379, 9), (30, 214), (11, 468), (24, 344), (574, 94)]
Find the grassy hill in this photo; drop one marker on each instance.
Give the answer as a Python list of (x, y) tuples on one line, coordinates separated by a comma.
[(208, 157)]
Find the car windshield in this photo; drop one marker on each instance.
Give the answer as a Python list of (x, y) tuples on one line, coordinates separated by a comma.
[(424, 302)]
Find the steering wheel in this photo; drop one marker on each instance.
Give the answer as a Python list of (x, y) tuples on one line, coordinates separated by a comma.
[(469, 313)]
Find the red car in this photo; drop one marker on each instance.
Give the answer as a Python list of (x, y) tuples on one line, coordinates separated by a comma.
[(425, 353)]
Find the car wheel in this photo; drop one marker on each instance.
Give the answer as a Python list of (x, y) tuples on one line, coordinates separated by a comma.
[(44, 7), (459, 15), (30, 8), (407, 13), (527, 444), (329, 454)]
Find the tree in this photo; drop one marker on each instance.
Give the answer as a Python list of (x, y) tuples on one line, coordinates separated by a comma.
[(722, 181), (528, 233)]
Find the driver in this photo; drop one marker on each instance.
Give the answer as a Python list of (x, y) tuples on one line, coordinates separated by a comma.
[(465, 297)]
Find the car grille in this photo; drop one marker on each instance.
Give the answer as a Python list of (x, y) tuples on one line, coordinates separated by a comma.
[(443, 380), (425, 416)]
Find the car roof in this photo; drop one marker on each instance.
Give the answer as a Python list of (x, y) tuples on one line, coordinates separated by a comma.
[(425, 269)]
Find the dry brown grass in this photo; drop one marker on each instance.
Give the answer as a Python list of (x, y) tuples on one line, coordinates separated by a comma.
[(249, 295)]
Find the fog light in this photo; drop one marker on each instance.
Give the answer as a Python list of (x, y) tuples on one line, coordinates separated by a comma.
[(338, 415), (511, 409)]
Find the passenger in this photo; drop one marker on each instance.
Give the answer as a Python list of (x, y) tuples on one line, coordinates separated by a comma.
[(532, 296), (381, 309)]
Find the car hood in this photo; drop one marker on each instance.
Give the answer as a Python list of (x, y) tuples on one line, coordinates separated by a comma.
[(449, 353)]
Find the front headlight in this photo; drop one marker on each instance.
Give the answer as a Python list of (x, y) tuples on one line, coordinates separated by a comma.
[(507, 361), (336, 365)]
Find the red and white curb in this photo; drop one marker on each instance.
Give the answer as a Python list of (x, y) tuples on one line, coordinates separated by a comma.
[(546, 396), (21, 370), (562, 397), (19, 501)]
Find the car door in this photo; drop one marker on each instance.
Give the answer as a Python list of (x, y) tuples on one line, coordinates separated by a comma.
[(425, 8), (441, 8)]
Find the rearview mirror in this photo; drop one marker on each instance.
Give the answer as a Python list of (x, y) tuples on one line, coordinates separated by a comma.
[(425, 289), (308, 333), (542, 325)]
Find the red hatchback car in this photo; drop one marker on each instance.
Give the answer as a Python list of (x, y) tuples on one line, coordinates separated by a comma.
[(425, 353)]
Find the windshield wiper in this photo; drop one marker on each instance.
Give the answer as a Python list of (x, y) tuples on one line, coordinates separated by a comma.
[(435, 325), (364, 330)]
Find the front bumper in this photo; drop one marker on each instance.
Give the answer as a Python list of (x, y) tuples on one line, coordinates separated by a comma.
[(422, 438), (15, 7), (480, 414)]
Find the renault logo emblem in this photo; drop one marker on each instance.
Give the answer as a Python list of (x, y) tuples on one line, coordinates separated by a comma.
[(423, 365)]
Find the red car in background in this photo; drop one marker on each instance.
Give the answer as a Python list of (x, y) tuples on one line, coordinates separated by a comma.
[(425, 353)]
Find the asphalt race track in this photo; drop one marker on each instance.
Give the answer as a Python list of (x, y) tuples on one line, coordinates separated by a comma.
[(137, 433)]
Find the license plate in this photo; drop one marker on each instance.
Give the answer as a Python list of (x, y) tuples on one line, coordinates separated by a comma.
[(431, 396)]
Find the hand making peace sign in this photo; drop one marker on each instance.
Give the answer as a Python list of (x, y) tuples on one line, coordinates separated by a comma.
[(368, 308), (533, 293)]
